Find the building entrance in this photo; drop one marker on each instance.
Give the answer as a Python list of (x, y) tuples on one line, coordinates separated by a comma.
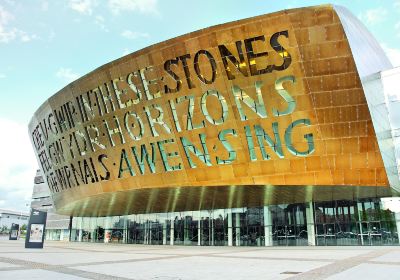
[(326, 234), (336, 223), (289, 226), (370, 233), (354, 223)]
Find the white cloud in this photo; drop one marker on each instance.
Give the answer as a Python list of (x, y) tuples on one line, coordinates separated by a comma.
[(374, 16), (2, 76), (7, 33), (51, 36), (396, 4), (18, 165), (44, 6), (5, 16), (27, 38), (84, 7), (100, 22), (7, 36), (66, 74), (141, 6), (393, 55), (128, 34)]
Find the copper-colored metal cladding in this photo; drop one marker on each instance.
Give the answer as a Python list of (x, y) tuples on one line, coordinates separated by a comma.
[(312, 59)]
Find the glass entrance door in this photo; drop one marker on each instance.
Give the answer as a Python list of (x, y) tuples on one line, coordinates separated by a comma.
[(206, 232), (156, 233), (370, 233), (288, 225), (326, 234), (335, 223), (375, 235)]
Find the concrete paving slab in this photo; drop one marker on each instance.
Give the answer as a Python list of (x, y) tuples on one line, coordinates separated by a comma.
[(326, 254), (389, 257), (75, 257), (63, 260), (7, 265), (369, 271), (204, 268), (36, 274)]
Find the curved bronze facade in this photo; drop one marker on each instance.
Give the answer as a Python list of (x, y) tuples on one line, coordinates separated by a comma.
[(232, 114)]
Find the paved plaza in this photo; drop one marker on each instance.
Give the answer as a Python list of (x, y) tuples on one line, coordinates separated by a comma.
[(60, 260)]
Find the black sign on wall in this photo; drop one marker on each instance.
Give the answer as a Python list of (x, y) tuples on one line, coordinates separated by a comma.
[(36, 229), (14, 232)]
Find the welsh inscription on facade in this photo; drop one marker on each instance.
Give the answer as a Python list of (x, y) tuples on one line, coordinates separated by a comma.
[(175, 115)]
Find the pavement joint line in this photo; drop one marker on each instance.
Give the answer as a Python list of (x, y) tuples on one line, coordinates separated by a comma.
[(128, 261), (170, 256), (37, 265), (338, 266), (273, 259), (106, 252), (383, 262), (115, 245), (86, 274), (14, 268), (151, 250), (27, 265), (199, 255)]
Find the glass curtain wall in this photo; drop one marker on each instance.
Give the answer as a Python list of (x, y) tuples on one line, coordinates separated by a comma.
[(289, 227), (362, 222), (354, 223)]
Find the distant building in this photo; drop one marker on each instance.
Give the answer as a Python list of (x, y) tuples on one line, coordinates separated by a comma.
[(57, 226), (8, 217)]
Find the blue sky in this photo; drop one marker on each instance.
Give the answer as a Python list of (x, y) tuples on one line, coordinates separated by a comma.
[(44, 45)]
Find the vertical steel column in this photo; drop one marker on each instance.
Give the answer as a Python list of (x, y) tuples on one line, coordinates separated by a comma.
[(237, 229), (145, 233), (125, 231), (172, 232), (310, 223), (230, 237), (79, 226), (164, 232), (359, 209), (212, 228), (185, 231), (268, 226), (199, 232)]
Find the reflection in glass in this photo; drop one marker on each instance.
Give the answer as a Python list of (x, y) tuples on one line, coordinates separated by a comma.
[(340, 223)]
